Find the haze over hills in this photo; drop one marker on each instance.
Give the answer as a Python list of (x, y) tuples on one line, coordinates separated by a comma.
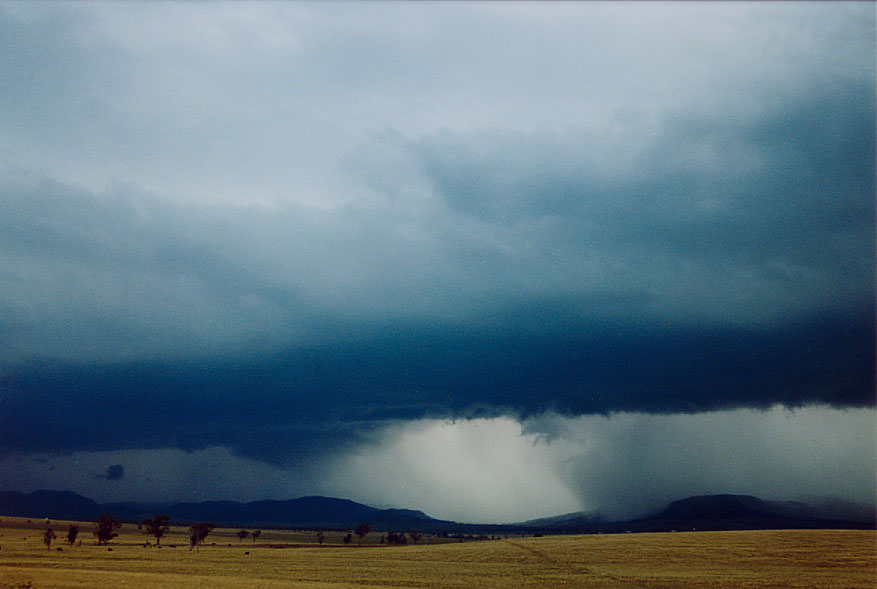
[(723, 512), (705, 512)]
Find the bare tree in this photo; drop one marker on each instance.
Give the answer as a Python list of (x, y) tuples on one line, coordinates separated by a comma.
[(256, 534), (321, 537), (241, 535)]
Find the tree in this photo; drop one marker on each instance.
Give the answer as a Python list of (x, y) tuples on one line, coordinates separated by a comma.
[(157, 526), (197, 533), (348, 538), (72, 532), (415, 535), (321, 537), (256, 534), (361, 531), (104, 528), (241, 535), (396, 539), (48, 537)]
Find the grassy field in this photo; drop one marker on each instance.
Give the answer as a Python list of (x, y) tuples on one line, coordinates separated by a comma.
[(822, 558)]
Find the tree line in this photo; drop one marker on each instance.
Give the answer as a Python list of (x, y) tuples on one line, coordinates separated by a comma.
[(158, 526), (105, 527)]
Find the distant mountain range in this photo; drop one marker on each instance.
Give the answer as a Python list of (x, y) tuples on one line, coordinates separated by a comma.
[(304, 512), (705, 512), (723, 512)]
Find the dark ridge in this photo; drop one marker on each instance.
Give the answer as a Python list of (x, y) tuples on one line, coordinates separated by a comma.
[(716, 507), (50, 504), (705, 512), (304, 512)]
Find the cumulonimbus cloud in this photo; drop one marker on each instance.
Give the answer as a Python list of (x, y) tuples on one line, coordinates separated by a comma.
[(289, 271)]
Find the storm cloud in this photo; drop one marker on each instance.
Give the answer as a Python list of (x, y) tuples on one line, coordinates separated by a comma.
[(499, 470), (287, 231), (619, 467)]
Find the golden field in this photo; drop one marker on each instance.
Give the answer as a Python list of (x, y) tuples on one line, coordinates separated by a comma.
[(280, 558)]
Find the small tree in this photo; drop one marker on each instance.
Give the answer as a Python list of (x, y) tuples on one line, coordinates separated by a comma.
[(348, 538), (197, 533), (361, 531), (397, 539), (321, 537), (241, 535), (48, 537), (105, 528), (157, 526), (72, 532), (256, 534), (415, 535)]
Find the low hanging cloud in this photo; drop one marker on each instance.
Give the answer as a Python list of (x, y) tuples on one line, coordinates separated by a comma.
[(500, 469), (631, 464), (620, 466), (288, 408), (480, 470)]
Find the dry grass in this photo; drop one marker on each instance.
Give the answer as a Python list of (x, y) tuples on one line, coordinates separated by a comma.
[(822, 558)]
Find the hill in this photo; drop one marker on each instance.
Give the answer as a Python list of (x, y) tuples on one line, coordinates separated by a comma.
[(726, 512), (51, 504), (720, 512), (304, 512), (704, 512)]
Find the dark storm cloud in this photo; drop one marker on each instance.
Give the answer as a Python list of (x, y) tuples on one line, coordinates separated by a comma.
[(698, 250), (792, 187), (721, 268), (284, 407)]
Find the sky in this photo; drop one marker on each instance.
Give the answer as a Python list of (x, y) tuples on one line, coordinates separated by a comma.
[(494, 261)]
